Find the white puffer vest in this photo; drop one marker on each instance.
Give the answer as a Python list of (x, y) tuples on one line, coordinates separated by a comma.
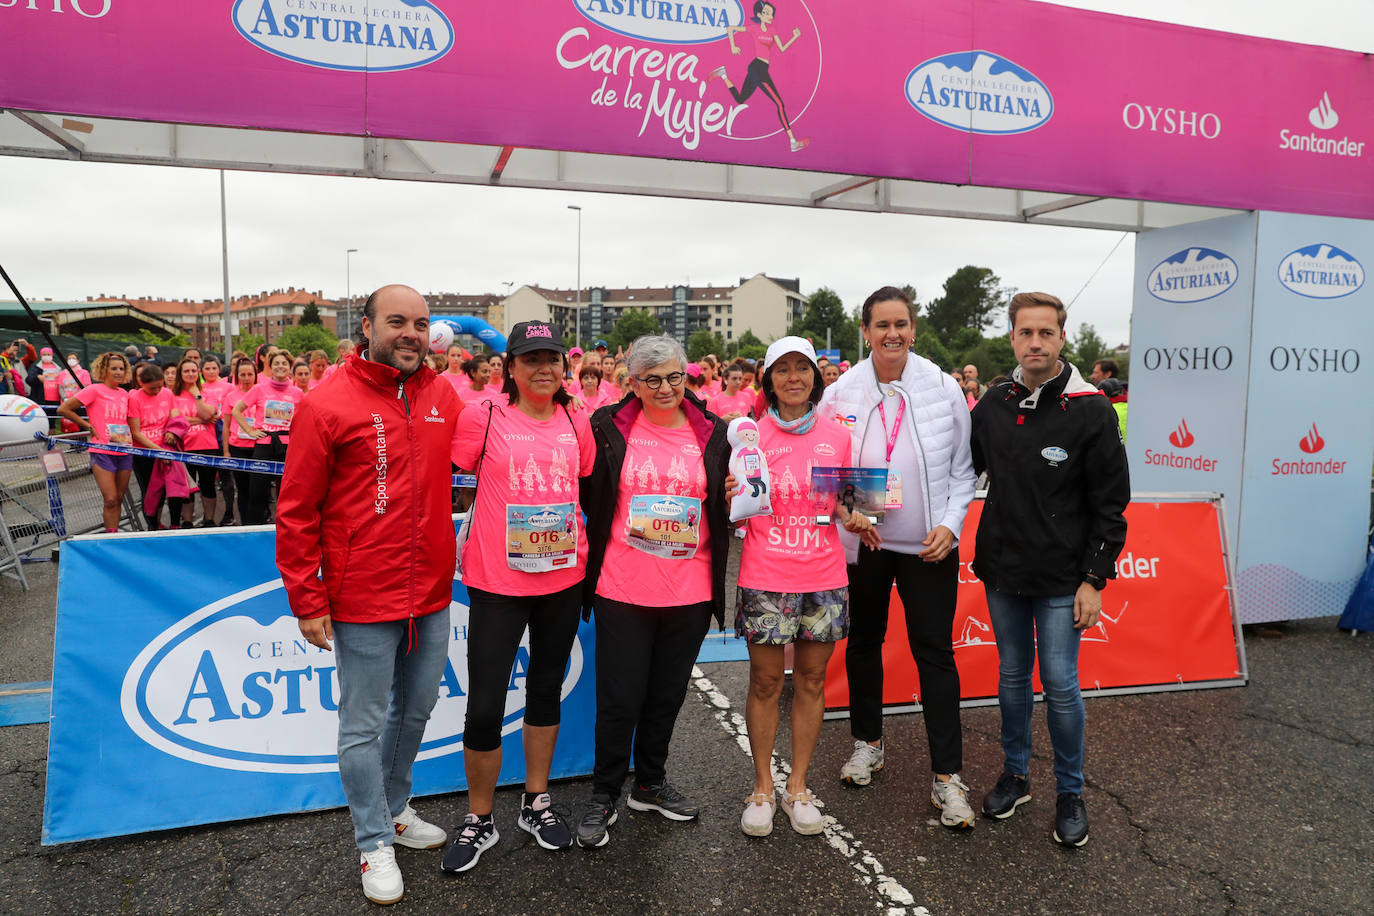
[(940, 435)]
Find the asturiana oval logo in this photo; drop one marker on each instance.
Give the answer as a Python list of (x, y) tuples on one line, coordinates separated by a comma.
[(666, 508), (683, 23), (376, 36), (1192, 275), (1321, 271), (979, 91), (546, 519), (1054, 454), (234, 685)]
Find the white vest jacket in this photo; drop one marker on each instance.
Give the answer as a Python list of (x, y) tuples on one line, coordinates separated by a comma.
[(940, 435)]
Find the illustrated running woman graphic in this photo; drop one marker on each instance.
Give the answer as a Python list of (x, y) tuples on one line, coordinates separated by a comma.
[(757, 77)]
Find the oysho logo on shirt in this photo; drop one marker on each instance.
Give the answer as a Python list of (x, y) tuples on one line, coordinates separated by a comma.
[(376, 36), (642, 442)]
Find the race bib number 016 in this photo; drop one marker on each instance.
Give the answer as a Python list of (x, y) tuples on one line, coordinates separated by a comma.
[(541, 538), (665, 526)]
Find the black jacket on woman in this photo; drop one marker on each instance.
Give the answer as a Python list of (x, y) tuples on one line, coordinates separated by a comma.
[(601, 491)]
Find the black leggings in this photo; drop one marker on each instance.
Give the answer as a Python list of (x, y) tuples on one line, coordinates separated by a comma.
[(757, 78), (269, 448), (495, 625), (644, 659), (203, 474), (239, 490), (928, 592)]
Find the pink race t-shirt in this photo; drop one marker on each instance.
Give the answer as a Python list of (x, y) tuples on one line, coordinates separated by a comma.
[(272, 406), (108, 410), (470, 395), (711, 389), (216, 393), (200, 435), (659, 553), (231, 427), (458, 380), (593, 401), (741, 403), (787, 551), (527, 535), (151, 413), (763, 41)]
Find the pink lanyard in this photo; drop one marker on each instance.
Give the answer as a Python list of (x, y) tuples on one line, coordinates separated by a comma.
[(896, 427)]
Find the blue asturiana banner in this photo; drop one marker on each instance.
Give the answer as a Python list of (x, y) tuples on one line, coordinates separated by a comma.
[(183, 692)]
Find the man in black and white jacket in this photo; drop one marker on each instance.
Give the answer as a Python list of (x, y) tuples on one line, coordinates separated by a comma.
[(1048, 540)]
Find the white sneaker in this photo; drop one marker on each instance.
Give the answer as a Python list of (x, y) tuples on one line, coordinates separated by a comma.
[(381, 877), (801, 810), (415, 833), (952, 800), (863, 763)]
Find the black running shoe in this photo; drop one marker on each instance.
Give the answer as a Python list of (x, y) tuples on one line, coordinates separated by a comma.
[(1070, 820), (664, 799), (540, 820), (593, 826), (1011, 790), (476, 837)]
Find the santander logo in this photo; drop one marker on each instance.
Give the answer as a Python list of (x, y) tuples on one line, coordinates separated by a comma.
[(1181, 437), (1312, 442)]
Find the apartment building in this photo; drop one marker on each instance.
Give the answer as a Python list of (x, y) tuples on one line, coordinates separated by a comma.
[(267, 314), (765, 305)]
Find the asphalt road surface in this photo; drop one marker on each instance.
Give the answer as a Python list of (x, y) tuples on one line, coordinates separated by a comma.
[(1245, 800)]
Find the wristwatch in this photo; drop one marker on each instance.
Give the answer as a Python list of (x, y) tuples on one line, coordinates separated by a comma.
[(1095, 581)]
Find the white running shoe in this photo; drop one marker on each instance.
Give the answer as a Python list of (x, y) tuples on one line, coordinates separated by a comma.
[(716, 74), (801, 810), (863, 763), (952, 800), (799, 145), (415, 833), (381, 876)]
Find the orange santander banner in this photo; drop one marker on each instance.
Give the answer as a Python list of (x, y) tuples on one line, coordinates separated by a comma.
[(1166, 618)]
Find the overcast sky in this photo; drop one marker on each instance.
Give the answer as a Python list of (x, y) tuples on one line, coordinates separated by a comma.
[(73, 229)]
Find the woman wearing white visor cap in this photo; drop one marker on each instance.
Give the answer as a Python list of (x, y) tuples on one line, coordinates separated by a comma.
[(793, 588)]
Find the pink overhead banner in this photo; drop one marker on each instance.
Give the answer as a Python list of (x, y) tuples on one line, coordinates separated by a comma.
[(1001, 93)]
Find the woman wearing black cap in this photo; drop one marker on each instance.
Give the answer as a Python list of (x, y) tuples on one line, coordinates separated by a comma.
[(523, 563)]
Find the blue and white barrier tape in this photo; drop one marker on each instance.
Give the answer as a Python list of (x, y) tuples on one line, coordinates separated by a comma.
[(252, 465)]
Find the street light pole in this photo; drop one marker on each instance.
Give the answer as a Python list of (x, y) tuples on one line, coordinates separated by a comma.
[(578, 312), (224, 260), (348, 291)]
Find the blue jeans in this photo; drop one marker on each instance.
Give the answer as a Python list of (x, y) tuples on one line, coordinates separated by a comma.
[(385, 698), (1022, 624)]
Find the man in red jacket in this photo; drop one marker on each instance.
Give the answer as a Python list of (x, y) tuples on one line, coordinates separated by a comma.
[(365, 545)]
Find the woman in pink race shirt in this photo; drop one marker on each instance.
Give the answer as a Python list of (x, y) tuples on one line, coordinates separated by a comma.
[(793, 588), (523, 564), (200, 437), (271, 404), (656, 523), (237, 441), (107, 412), (150, 406)]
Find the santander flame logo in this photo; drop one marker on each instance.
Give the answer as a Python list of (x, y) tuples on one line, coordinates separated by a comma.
[(1181, 437), (1312, 442)]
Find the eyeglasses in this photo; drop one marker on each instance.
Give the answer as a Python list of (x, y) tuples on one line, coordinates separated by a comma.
[(653, 381)]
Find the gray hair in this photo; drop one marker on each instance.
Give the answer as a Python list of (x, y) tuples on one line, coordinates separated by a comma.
[(653, 350)]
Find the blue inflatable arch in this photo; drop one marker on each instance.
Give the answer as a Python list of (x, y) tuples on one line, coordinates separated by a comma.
[(469, 324)]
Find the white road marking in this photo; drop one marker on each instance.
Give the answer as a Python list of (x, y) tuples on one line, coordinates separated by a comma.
[(891, 893)]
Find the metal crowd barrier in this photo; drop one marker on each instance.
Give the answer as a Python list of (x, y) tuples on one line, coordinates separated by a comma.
[(47, 494)]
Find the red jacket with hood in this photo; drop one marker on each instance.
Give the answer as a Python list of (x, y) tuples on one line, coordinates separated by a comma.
[(364, 524)]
